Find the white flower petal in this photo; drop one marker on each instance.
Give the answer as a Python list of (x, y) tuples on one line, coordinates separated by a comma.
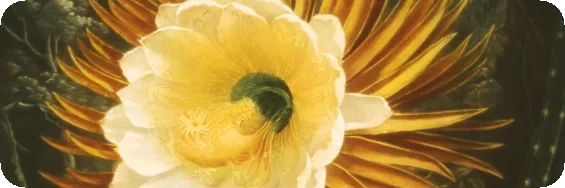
[(318, 178), (134, 64), (175, 178), (330, 146), (125, 177), (200, 15), (364, 111), (268, 9), (328, 28), (167, 15), (115, 124), (340, 81), (298, 176), (151, 102), (145, 154), (185, 56)]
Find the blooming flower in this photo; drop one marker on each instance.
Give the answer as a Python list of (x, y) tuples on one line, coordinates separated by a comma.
[(247, 94), (240, 93)]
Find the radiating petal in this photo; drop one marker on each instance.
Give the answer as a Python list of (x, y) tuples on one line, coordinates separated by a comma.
[(145, 154), (318, 178), (167, 15), (328, 28), (299, 176), (200, 15), (125, 177), (115, 124), (151, 102), (188, 57), (175, 178), (328, 150), (134, 64), (364, 111), (268, 9)]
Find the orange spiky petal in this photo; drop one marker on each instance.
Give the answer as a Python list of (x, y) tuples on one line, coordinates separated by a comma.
[(64, 147), (101, 63), (95, 178), (78, 110), (75, 120), (468, 126), (339, 177), (103, 48), (79, 78), (137, 25), (105, 80), (67, 183), (126, 33), (94, 147)]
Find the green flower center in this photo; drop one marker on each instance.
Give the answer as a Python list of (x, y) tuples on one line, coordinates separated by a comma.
[(271, 95)]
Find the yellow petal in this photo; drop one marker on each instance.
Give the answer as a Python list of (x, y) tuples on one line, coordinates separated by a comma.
[(385, 153), (405, 75), (328, 6), (468, 126), (453, 76), (295, 43), (381, 172), (443, 141), (339, 177), (359, 19), (304, 9), (300, 174), (376, 41), (450, 156), (419, 121), (430, 74)]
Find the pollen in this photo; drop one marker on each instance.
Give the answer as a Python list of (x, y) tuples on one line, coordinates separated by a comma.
[(194, 124)]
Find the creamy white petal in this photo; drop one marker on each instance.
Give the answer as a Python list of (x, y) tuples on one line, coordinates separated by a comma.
[(318, 178), (167, 15), (200, 15), (115, 124), (298, 176), (145, 154), (328, 28), (186, 56), (268, 9), (151, 102), (125, 177), (134, 64), (175, 178), (341, 79), (330, 146), (364, 111)]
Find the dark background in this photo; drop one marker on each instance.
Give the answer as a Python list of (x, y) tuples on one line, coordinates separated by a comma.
[(516, 83)]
